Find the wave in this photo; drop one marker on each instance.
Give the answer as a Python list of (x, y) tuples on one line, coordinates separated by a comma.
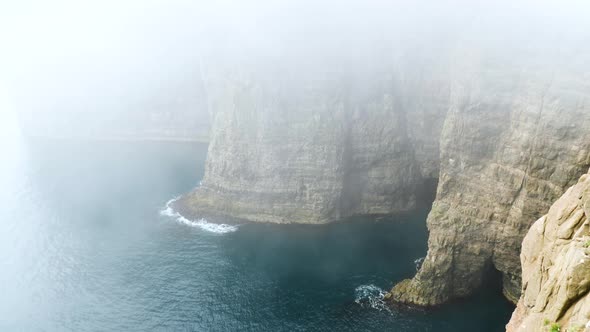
[(203, 224), (418, 262), (168, 211), (371, 296)]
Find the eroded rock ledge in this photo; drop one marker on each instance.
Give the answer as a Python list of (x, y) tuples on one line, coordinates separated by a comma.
[(556, 267)]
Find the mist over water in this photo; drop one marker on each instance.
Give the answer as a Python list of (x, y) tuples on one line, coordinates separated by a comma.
[(88, 241), (85, 247)]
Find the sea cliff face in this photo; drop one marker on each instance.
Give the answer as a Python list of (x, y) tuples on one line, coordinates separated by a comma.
[(556, 267), (501, 123), (315, 147), (505, 136), (515, 138)]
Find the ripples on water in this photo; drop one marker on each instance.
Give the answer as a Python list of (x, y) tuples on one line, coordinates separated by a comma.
[(84, 247)]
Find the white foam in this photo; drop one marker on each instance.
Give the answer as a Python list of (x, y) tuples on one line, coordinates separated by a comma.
[(168, 211), (203, 224), (418, 262), (371, 296)]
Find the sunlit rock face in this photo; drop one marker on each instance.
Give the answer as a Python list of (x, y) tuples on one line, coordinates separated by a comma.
[(556, 267), (317, 146)]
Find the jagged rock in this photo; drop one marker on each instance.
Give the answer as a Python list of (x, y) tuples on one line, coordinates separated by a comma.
[(556, 266)]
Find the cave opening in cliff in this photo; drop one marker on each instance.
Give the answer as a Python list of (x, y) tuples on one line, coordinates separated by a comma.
[(492, 284), (426, 193)]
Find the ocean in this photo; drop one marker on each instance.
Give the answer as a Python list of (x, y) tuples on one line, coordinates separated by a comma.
[(88, 243)]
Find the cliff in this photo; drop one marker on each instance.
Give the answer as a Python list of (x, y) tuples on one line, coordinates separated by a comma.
[(556, 267), (515, 138), (506, 136), (318, 146), (311, 134)]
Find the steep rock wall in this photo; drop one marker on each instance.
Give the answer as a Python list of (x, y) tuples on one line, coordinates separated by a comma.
[(515, 138), (556, 267), (316, 146), (500, 113)]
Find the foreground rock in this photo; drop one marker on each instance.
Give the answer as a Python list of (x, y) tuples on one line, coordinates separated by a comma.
[(556, 267)]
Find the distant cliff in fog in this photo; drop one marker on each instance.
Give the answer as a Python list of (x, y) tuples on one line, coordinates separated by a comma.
[(177, 111)]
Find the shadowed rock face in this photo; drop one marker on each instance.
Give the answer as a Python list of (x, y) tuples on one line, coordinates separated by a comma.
[(556, 266)]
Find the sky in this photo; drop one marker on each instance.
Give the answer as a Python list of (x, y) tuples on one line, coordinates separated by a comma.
[(65, 53)]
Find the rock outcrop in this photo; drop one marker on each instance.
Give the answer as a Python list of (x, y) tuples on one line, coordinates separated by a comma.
[(556, 267)]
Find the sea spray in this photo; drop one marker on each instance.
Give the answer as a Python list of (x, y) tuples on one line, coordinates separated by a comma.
[(371, 296), (418, 262), (203, 224)]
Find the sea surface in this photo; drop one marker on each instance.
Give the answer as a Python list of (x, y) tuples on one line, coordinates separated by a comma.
[(87, 243)]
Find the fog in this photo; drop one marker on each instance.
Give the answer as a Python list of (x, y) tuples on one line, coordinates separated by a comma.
[(86, 245), (117, 63)]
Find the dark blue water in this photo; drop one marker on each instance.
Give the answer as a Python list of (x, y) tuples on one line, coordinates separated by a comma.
[(83, 247)]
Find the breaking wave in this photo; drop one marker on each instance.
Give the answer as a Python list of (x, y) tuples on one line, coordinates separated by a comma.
[(418, 262), (371, 296), (203, 224)]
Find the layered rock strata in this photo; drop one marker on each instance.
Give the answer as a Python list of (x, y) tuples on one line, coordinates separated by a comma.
[(515, 138), (313, 148), (556, 267)]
